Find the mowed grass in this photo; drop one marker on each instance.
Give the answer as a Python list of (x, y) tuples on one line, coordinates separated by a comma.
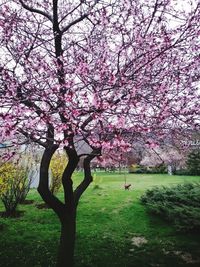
[(113, 229)]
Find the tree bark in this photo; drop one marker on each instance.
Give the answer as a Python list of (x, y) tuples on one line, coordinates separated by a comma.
[(66, 211), (43, 188), (68, 217), (67, 241)]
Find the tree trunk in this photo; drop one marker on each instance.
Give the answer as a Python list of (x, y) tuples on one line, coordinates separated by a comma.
[(67, 241), (65, 211)]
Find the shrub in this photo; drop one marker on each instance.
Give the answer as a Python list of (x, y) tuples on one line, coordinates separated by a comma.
[(57, 166), (161, 168), (14, 186), (179, 204), (135, 168)]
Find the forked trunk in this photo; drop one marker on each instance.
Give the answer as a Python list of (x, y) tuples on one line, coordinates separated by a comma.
[(65, 211), (67, 242)]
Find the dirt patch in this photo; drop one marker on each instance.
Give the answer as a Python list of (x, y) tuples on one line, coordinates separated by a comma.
[(115, 211), (16, 214), (139, 241), (103, 209), (186, 257), (165, 252)]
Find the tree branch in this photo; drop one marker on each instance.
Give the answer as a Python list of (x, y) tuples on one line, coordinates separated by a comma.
[(152, 17), (27, 102), (87, 176), (43, 187), (71, 12), (67, 182), (30, 137), (73, 23), (35, 10)]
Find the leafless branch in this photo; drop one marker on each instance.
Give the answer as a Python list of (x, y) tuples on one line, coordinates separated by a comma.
[(35, 10)]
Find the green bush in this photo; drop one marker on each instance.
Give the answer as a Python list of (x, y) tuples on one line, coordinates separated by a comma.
[(159, 169), (179, 204), (182, 172)]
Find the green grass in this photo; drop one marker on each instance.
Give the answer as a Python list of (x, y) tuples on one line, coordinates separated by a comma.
[(108, 219)]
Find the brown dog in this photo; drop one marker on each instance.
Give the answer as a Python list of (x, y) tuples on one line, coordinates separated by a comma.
[(127, 186)]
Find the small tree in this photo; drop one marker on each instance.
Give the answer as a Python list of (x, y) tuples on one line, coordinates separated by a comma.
[(102, 72), (193, 162), (14, 186), (57, 167)]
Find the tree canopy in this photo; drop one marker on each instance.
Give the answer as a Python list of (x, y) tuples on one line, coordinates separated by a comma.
[(104, 71)]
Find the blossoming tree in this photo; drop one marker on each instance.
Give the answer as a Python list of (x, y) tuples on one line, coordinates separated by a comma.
[(98, 72)]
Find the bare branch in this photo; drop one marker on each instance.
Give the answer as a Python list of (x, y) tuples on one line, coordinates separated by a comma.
[(152, 17), (87, 176), (71, 12), (35, 10), (74, 23)]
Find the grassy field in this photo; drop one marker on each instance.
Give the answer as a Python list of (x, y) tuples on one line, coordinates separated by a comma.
[(113, 229)]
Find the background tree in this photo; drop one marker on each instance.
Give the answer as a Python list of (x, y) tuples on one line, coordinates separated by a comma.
[(193, 162), (165, 155), (96, 74)]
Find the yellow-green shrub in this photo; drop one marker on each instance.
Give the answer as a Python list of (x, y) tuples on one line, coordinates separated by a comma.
[(57, 167), (13, 182)]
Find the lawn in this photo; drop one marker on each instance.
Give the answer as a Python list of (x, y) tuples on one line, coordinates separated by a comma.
[(113, 229)]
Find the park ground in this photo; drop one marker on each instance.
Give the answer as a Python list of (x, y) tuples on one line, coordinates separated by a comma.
[(113, 228)]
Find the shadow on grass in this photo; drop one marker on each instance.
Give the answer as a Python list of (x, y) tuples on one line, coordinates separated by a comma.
[(27, 202), (42, 206)]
